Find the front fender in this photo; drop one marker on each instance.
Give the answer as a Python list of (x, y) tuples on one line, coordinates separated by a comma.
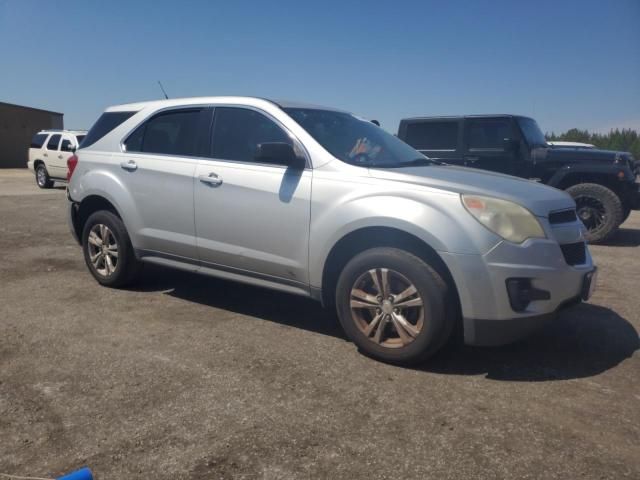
[(438, 219), (604, 171)]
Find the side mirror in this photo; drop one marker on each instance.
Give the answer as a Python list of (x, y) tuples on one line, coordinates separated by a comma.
[(279, 153)]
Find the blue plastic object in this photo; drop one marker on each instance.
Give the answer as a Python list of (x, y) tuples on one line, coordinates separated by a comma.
[(82, 474)]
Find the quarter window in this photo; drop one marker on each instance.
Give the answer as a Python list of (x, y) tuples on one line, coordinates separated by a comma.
[(238, 131), (488, 134), (38, 140), (433, 135), (53, 142), (170, 133), (107, 122)]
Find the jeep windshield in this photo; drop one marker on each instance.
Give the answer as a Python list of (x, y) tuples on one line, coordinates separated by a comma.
[(356, 141), (532, 132)]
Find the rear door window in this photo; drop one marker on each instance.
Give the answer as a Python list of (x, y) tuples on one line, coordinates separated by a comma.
[(107, 122), (66, 145), (176, 132), (53, 142), (238, 131), (488, 134), (38, 140), (433, 135)]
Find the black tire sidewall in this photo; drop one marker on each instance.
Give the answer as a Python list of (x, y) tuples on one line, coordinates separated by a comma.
[(126, 257), (430, 286), (611, 203)]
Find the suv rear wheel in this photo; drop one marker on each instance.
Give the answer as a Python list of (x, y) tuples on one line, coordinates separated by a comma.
[(107, 250), (392, 305), (599, 208), (42, 177)]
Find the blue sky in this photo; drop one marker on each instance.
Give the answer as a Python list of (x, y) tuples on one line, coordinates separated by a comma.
[(566, 63)]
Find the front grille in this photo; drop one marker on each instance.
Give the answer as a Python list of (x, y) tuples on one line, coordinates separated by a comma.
[(574, 253), (562, 216)]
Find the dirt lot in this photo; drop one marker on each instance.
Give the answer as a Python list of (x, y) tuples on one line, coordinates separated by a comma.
[(186, 377)]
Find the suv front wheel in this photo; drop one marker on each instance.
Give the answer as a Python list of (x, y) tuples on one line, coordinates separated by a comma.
[(393, 305), (107, 250), (599, 208)]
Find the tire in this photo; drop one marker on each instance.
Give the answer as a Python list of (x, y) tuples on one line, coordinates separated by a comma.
[(42, 177), (108, 269), (599, 208), (375, 327)]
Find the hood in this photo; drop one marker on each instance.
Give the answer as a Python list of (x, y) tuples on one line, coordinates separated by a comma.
[(536, 197), (591, 155)]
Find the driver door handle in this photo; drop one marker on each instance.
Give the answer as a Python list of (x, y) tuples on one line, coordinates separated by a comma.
[(211, 179), (130, 165)]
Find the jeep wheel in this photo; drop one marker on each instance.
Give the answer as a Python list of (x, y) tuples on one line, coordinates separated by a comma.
[(107, 250), (42, 177), (392, 305), (599, 208)]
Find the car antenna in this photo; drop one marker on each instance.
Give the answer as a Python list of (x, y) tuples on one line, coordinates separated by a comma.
[(162, 88)]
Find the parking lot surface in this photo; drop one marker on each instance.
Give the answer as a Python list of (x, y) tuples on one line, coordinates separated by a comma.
[(188, 377)]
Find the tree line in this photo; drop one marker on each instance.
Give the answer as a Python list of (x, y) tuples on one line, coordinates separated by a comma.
[(625, 140)]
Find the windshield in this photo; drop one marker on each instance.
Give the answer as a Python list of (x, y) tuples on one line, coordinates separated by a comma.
[(355, 141), (532, 132)]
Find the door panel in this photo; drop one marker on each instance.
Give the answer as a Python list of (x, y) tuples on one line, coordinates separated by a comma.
[(64, 153), (51, 153), (158, 170), (485, 144), (162, 190), (250, 215), (256, 219)]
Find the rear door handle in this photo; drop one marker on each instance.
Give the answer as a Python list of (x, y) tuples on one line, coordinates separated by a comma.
[(471, 159), (211, 179), (130, 165), (60, 157)]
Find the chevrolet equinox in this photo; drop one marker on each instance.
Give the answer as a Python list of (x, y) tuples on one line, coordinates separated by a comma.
[(315, 201)]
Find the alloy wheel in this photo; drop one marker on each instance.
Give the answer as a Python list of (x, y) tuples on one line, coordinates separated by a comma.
[(103, 250), (387, 308), (41, 176), (591, 211)]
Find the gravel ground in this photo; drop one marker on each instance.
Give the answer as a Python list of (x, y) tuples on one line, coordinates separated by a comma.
[(187, 377)]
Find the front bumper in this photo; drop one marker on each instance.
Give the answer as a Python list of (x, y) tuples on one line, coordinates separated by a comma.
[(488, 315)]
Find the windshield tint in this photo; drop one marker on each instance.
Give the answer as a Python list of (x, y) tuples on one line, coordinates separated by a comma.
[(354, 141), (532, 132)]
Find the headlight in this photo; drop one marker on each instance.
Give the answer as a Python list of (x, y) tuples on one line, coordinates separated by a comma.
[(507, 219)]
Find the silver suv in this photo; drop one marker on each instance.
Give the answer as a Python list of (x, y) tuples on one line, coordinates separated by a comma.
[(318, 202)]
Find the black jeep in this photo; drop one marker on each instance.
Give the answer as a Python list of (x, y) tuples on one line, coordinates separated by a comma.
[(603, 183)]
